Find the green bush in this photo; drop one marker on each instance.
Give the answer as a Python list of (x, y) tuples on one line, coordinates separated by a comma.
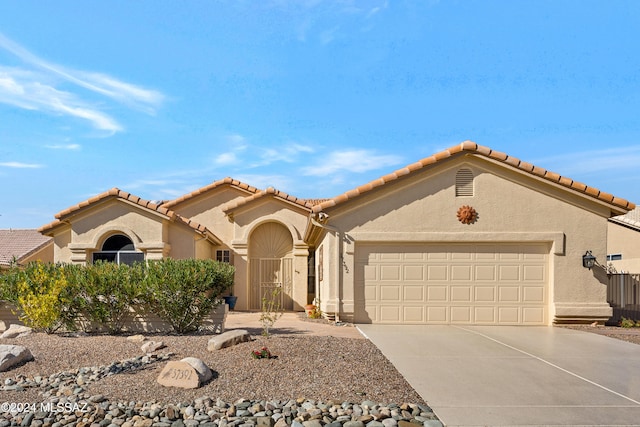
[(627, 323), (9, 284), (103, 293), (41, 296), (183, 292)]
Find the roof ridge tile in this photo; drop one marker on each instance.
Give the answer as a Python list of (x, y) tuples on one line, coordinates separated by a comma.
[(473, 148)]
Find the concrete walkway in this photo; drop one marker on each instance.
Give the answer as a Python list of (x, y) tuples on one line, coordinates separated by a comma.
[(499, 376), (290, 323)]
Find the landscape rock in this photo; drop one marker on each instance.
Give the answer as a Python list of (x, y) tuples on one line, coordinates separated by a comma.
[(179, 374), (16, 331), (228, 339), (152, 346), (136, 338), (13, 355), (204, 373)]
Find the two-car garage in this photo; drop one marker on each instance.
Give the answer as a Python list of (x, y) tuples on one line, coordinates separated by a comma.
[(448, 283)]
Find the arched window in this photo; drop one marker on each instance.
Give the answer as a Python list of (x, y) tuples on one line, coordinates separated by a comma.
[(119, 249), (464, 183)]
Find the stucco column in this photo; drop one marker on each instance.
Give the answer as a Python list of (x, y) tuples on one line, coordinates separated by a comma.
[(347, 296), (300, 267), (241, 278)]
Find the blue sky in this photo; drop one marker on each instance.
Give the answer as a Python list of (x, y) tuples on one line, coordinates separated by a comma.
[(312, 97)]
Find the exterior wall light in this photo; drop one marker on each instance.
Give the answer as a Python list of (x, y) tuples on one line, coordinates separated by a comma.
[(588, 260)]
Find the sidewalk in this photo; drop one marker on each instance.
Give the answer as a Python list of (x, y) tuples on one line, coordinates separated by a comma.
[(289, 323)]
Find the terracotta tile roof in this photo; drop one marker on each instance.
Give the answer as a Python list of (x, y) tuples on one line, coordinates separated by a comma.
[(119, 194), (473, 148), (225, 181), (265, 193), (314, 202), (20, 244)]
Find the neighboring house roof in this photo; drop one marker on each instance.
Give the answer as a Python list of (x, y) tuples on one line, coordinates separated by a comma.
[(123, 195), (302, 203), (225, 181), (621, 205), (631, 219), (20, 244)]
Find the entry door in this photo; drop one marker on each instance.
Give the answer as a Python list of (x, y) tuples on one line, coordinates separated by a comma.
[(268, 274)]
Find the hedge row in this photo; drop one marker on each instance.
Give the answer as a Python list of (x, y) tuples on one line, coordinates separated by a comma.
[(51, 296)]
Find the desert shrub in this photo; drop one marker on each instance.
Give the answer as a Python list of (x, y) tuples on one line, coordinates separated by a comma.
[(41, 298), (627, 323), (103, 292), (9, 284), (183, 292)]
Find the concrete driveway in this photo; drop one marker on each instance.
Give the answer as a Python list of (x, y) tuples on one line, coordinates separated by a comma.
[(498, 376)]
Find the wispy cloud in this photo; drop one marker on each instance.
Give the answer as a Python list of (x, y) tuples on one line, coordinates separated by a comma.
[(64, 147), (593, 161), (37, 88), (19, 165), (352, 161), (288, 153)]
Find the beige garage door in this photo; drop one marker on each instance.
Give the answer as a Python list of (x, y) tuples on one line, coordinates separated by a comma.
[(496, 284)]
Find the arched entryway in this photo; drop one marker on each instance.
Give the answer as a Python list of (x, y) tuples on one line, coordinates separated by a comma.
[(270, 264)]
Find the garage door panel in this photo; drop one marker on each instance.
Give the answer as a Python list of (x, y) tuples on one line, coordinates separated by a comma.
[(533, 273), (532, 315), (532, 294), (461, 293), (461, 314), (485, 294), (437, 293), (437, 273), (390, 272), (509, 294), (485, 315), (413, 314), (485, 273), (413, 293), (390, 293), (437, 314), (390, 314), (509, 315), (461, 272), (509, 273), (453, 283)]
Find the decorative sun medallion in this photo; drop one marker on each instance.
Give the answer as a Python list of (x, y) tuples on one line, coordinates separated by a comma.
[(467, 215)]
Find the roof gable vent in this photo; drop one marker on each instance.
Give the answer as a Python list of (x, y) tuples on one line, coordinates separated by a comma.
[(464, 183)]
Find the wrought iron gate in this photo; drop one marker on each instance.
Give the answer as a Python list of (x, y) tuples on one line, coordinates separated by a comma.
[(268, 274)]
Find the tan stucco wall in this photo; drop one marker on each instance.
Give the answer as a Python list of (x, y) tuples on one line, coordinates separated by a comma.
[(510, 206), (43, 255), (625, 241), (150, 233)]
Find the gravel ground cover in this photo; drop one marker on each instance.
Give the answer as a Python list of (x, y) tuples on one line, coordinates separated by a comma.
[(108, 381), (631, 335), (314, 367)]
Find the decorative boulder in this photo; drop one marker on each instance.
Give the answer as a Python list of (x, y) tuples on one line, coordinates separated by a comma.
[(13, 355), (179, 374), (227, 339), (16, 331), (136, 338), (152, 346), (204, 373)]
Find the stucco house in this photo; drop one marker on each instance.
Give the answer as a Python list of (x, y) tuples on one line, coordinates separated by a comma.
[(22, 246), (466, 236), (623, 242)]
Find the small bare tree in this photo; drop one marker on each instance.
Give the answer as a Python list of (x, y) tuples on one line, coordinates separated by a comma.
[(272, 309)]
